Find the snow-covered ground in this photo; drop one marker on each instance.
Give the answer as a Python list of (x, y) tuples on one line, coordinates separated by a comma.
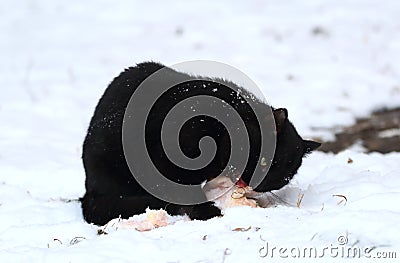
[(326, 61)]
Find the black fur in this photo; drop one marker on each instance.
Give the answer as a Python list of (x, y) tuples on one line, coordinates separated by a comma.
[(112, 191)]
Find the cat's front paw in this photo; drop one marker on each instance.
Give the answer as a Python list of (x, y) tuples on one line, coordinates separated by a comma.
[(204, 211)]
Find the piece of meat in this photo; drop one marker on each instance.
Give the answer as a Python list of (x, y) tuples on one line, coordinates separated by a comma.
[(226, 194), (153, 219)]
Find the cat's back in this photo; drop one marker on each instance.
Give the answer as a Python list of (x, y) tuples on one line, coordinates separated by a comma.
[(102, 152)]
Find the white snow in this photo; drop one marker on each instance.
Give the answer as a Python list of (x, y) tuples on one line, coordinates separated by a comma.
[(389, 133), (326, 61)]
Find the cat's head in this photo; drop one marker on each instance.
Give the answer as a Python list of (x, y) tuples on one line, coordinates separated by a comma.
[(289, 152)]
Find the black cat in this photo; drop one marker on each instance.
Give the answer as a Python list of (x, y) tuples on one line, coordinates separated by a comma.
[(112, 191)]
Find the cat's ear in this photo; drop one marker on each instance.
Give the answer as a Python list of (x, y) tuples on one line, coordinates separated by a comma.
[(310, 146), (280, 116)]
